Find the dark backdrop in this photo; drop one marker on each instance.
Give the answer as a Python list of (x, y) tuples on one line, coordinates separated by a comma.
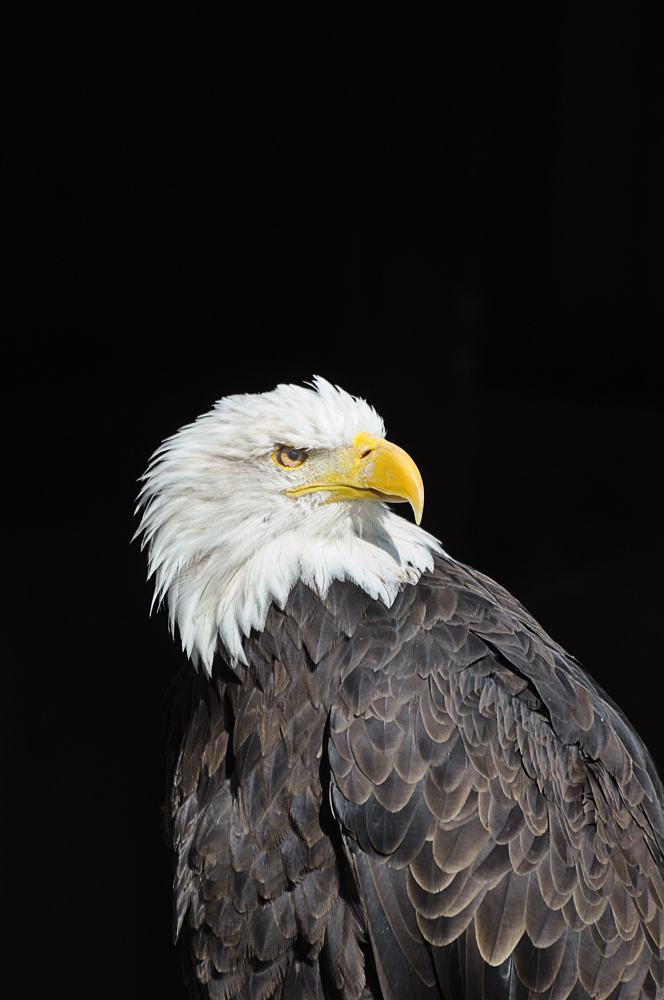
[(460, 226)]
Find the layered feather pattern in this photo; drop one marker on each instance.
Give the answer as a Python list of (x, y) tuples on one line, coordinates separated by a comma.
[(424, 800)]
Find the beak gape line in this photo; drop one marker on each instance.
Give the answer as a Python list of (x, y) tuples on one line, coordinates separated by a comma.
[(373, 469)]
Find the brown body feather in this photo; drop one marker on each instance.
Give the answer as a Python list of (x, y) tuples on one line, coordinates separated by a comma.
[(428, 800)]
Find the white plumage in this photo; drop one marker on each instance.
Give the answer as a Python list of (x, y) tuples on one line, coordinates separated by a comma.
[(225, 541)]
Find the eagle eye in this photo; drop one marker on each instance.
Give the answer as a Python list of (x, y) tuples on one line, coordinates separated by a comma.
[(290, 458)]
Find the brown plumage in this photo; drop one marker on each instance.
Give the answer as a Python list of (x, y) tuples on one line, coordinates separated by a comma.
[(425, 800), (387, 781)]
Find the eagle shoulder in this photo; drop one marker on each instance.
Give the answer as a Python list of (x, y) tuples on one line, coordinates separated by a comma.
[(503, 819)]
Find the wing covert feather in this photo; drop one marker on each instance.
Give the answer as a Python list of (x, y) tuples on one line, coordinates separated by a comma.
[(539, 811)]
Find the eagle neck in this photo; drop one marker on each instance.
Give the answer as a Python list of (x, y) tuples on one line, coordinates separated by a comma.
[(217, 602)]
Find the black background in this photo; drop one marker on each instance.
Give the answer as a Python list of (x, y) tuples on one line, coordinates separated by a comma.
[(460, 224)]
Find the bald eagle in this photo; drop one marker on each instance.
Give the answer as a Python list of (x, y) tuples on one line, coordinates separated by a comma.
[(386, 780)]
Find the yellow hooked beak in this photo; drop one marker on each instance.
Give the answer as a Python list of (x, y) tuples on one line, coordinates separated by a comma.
[(373, 469)]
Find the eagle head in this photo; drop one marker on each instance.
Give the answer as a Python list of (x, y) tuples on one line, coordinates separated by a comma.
[(268, 489)]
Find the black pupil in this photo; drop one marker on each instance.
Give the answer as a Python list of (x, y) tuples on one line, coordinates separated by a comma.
[(293, 454)]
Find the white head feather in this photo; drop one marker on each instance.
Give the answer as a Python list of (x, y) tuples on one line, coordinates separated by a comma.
[(225, 541)]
